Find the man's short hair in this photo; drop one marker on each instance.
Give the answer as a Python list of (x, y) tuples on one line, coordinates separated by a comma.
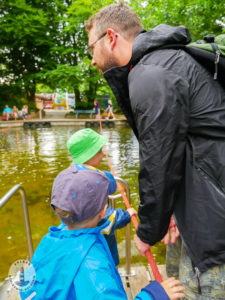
[(119, 17)]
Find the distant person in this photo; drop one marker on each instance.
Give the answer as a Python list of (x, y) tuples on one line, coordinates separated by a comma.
[(7, 111), (24, 112), (109, 109), (96, 107), (15, 113), (75, 262), (85, 147)]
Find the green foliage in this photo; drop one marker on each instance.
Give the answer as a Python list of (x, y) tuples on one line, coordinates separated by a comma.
[(84, 105), (42, 88), (44, 43), (199, 16), (11, 96), (25, 34)]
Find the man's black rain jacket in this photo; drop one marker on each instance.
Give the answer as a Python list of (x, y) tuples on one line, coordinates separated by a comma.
[(177, 112)]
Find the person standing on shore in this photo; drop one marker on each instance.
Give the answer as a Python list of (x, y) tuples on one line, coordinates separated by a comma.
[(109, 109), (96, 108)]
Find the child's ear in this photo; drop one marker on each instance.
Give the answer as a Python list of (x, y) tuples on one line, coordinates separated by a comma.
[(102, 212)]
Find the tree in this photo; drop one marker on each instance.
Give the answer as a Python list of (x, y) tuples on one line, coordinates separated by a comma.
[(74, 70), (44, 41), (26, 39), (199, 16)]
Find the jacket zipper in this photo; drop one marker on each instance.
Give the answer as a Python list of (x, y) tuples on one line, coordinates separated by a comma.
[(212, 181), (197, 274)]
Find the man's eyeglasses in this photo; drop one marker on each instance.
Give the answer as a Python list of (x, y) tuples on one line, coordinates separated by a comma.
[(90, 47)]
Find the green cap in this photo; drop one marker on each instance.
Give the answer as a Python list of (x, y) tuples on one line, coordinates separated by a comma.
[(84, 144)]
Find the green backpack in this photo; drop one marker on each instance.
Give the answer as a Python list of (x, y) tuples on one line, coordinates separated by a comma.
[(210, 53), (216, 46)]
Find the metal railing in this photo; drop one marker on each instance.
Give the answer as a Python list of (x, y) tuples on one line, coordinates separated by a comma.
[(6, 198), (128, 230), (21, 190)]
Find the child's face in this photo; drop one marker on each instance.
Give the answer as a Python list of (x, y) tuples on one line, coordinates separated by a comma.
[(95, 160)]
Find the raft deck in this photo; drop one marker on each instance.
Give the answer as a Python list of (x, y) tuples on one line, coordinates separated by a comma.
[(143, 275)]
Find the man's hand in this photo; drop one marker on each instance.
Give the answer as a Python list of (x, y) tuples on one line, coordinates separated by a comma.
[(173, 288), (172, 234), (132, 211), (141, 246)]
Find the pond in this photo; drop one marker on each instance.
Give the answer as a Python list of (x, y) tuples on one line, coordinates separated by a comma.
[(33, 158)]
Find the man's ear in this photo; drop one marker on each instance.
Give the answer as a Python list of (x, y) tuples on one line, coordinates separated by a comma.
[(112, 36)]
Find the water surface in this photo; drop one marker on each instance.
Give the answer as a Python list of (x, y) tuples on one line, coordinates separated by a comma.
[(33, 158)]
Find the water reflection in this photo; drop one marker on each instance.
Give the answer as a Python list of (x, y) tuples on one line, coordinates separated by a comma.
[(33, 158)]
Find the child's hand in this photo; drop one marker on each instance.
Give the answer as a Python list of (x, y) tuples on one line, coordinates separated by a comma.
[(173, 288), (132, 211)]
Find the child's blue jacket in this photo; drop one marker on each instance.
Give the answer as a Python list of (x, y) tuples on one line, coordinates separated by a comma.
[(121, 217), (77, 264)]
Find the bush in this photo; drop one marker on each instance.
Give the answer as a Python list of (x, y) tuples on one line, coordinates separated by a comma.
[(84, 105)]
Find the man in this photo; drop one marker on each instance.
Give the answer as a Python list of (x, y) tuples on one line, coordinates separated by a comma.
[(177, 112)]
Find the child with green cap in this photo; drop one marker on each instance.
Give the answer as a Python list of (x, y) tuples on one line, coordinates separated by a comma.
[(85, 147)]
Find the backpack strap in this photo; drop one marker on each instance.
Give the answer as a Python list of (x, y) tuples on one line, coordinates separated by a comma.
[(217, 58), (209, 60)]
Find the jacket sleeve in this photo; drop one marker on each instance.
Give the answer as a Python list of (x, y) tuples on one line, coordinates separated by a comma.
[(121, 219), (159, 103), (112, 183)]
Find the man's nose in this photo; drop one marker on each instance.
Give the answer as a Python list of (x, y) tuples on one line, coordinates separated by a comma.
[(93, 63)]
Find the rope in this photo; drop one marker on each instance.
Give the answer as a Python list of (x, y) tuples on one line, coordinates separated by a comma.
[(148, 253)]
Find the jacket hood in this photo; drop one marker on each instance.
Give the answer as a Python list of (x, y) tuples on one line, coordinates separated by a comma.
[(60, 252), (145, 42), (161, 35)]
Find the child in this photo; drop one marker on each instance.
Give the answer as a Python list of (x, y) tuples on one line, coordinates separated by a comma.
[(110, 109), (24, 112), (85, 147), (75, 262), (15, 112)]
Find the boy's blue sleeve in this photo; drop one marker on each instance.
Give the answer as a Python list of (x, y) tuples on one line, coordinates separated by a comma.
[(122, 218), (112, 184), (143, 296), (155, 291)]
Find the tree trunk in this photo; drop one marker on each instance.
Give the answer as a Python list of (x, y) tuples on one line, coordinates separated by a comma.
[(77, 94), (92, 91), (30, 91)]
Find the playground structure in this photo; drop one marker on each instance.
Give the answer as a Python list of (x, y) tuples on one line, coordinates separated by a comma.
[(56, 101)]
